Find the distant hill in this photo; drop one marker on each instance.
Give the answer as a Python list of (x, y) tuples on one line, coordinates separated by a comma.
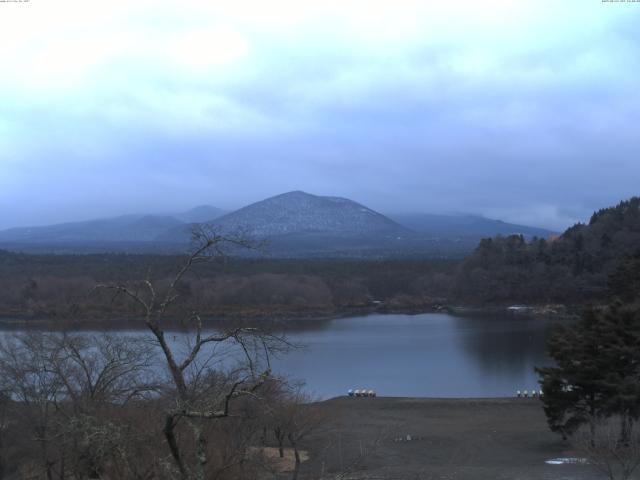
[(452, 226), (126, 228)]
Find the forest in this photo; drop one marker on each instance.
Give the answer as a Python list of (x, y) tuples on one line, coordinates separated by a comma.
[(572, 268)]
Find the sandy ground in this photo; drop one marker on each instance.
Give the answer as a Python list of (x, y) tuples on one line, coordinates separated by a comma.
[(406, 438)]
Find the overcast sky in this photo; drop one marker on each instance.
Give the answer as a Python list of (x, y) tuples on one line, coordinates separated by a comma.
[(526, 111)]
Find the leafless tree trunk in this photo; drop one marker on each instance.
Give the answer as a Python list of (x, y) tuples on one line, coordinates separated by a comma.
[(296, 453), (280, 436)]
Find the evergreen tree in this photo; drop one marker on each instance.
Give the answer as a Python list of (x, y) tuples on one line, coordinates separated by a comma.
[(574, 390), (597, 372), (620, 357), (624, 282)]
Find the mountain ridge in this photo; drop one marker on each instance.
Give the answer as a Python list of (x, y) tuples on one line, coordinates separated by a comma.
[(294, 223), (461, 225), (121, 228)]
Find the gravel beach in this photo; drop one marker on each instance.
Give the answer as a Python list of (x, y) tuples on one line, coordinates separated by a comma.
[(428, 438)]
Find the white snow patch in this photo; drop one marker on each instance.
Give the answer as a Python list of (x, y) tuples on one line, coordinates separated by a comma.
[(565, 460)]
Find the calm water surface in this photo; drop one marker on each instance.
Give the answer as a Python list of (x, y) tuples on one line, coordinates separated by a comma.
[(432, 355), (435, 355)]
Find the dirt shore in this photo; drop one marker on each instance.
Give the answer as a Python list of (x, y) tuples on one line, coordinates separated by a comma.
[(428, 439)]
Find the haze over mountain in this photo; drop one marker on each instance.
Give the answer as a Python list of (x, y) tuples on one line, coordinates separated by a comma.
[(452, 226), (294, 223), (200, 214), (125, 228)]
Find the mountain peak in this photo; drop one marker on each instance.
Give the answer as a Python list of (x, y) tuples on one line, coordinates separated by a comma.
[(302, 212), (294, 194)]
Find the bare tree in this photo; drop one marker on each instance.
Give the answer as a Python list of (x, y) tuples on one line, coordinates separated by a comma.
[(608, 449), (4, 403), (101, 369), (292, 417), (99, 374), (198, 391), (60, 387), (27, 379), (96, 407)]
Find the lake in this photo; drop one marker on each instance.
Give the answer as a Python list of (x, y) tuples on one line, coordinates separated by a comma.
[(426, 355)]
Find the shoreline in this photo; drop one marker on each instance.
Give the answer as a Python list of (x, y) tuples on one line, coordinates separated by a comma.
[(286, 319)]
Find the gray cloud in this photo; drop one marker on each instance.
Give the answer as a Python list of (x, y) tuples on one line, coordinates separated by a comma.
[(533, 122)]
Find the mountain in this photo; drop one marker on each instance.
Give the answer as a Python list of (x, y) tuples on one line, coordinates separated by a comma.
[(200, 214), (453, 226), (301, 224), (294, 224), (299, 212), (125, 228)]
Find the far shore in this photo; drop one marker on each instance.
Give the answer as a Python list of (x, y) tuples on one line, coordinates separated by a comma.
[(283, 319)]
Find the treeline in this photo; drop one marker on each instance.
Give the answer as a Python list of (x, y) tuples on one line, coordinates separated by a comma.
[(49, 286), (573, 268)]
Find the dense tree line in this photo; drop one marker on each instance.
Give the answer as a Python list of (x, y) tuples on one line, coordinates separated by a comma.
[(50, 286), (574, 267)]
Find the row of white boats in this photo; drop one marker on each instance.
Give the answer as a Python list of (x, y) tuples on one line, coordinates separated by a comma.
[(370, 393), (361, 393), (526, 393)]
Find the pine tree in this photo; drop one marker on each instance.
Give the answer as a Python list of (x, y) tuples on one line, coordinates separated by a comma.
[(621, 358), (575, 389), (597, 372), (624, 282)]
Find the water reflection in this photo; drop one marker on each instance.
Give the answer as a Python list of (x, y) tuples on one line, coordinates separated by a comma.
[(421, 355), (504, 345)]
